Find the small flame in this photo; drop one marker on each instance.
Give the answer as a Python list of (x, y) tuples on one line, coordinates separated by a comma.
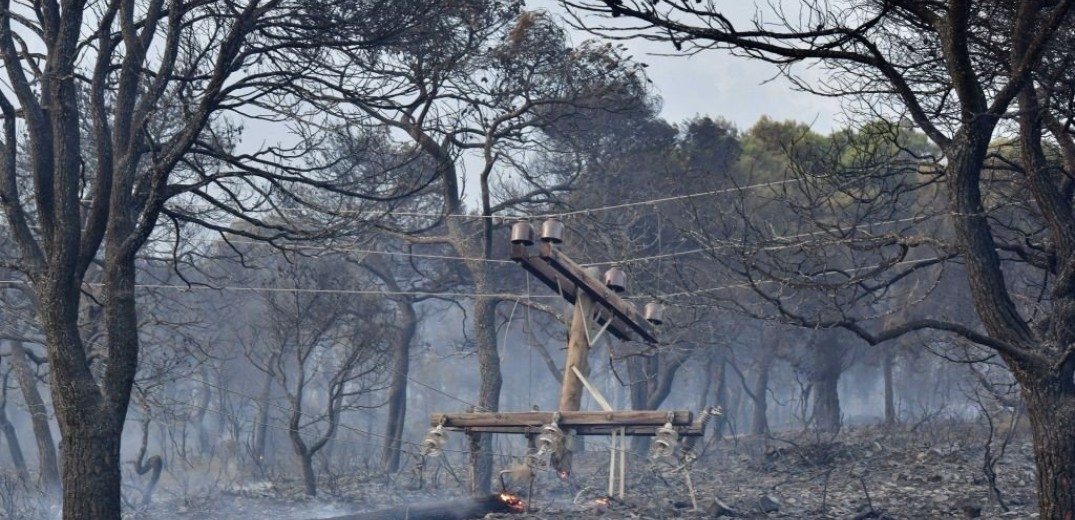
[(564, 474), (513, 501), (603, 501)]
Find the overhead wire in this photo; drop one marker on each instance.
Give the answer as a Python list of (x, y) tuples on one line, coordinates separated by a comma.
[(232, 288), (569, 213), (623, 261)]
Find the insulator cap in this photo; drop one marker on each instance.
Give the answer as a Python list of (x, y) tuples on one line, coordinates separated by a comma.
[(664, 441), (616, 279), (522, 233), (654, 313), (552, 231)]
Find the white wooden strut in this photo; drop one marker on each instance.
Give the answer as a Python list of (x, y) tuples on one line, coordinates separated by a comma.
[(622, 436)]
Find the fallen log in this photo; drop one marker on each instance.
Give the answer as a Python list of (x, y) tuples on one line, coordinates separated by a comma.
[(461, 509)]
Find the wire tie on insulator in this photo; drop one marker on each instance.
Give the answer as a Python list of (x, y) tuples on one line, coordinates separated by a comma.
[(687, 458)]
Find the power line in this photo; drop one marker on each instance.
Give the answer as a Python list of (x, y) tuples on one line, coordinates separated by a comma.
[(668, 199), (232, 288), (503, 296), (743, 285), (599, 209), (642, 259), (344, 249)]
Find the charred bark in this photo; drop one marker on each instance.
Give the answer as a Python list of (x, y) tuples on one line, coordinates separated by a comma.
[(91, 465), (1050, 405)]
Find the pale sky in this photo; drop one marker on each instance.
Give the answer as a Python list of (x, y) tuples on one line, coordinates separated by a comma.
[(715, 83)]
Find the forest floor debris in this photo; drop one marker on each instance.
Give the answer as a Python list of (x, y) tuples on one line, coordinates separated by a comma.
[(930, 471)]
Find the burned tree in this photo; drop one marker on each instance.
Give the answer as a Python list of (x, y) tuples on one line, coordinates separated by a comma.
[(957, 69), (123, 114), (327, 350)]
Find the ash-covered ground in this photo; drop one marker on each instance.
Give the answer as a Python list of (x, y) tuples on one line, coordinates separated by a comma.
[(929, 471)]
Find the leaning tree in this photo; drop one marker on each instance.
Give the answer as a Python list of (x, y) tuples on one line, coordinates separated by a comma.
[(118, 115), (965, 72)]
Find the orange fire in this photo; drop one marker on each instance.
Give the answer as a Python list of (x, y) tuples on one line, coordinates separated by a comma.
[(513, 501), (603, 501)]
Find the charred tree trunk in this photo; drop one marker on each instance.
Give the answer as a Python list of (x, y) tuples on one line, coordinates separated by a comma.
[(205, 394), (91, 467), (651, 383), (489, 393), (305, 456), (303, 450), (401, 364), (759, 424), (887, 362), (261, 428), (642, 371), (721, 399), (708, 375), (397, 390), (91, 414), (13, 446), (154, 465), (39, 417), (10, 435), (309, 479), (825, 379), (1050, 404)]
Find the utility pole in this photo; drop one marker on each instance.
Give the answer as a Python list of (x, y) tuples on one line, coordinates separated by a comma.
[(578, 356), (598, 309)]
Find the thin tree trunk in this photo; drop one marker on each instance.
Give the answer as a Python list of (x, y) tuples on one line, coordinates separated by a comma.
[(153, 465), (205, 395), (759, 424), (39, 417), (825, 376), (261, 429), (708, 372), (887, 362), (721, 399), (397, 390), (13, 447), (11, 436)]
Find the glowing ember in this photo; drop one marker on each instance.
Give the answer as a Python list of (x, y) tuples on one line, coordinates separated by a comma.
[(513, 501), (564, 474), (603, 501)]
